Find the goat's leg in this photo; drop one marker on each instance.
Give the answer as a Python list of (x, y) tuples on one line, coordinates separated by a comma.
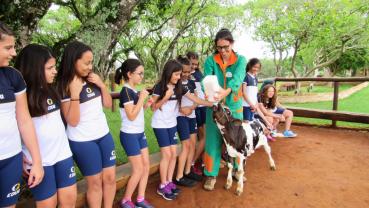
[(240, 173), (228, 184), (269, 153)]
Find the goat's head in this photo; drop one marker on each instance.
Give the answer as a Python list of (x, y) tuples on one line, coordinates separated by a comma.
[(221, 115)]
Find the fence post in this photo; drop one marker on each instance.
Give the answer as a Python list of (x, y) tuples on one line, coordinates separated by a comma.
[(335, 101), (112, 89)]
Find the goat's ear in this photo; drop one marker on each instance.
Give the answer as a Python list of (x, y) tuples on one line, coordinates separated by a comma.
[(237, 122)]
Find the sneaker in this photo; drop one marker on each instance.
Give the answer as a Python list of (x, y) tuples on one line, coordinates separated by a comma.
[(184, 181), (174, 188), (274, 133), (166, 193), (127, 204), (193, 176), (144, 204), (270, 138), (210, 183), (289, 134)]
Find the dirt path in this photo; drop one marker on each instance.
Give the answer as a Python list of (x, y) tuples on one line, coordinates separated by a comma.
[(320, 168)]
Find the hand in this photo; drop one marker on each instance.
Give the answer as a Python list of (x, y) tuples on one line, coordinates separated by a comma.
[(222, 93), (144, 94), (26, 165), (253, 107), (36, 175), (75, 87), (149, 102), (94, 78), (282, 118)]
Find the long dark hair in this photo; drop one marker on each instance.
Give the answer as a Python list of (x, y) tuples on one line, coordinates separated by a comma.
[(72, 52), (252, 63), (31, 63), (129, 65), (169, 68), (223, 34), (5, 30), (269, 103), (183, 60)]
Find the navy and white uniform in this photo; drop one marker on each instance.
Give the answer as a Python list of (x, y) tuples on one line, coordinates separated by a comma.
[(164, 120), (186, 125), (11, 86), (251, 82), (55, 152), (91, 136), (132, 135), (200, 111)]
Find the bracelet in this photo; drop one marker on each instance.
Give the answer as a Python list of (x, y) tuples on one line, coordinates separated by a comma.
[(74, 99)]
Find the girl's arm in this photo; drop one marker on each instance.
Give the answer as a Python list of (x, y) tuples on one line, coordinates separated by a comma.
[(28, 134), (70, 108), (106, 97), (261, 114), (267, 112), (197, 100), (278, 104), (133, 110), (158, 103)]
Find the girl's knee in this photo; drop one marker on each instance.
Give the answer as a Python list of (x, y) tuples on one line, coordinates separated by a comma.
[(289, 113), (95, 183), (109, 178)]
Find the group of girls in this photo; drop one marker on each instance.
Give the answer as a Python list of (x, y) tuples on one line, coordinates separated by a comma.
[(52, 118)]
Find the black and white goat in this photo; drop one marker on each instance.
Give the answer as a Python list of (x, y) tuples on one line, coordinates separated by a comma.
[(241, 140)]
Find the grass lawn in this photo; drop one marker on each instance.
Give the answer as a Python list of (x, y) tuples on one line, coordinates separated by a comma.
[(357, 103), (316, 89)]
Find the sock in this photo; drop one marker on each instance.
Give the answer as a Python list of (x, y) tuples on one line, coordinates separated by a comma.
[(124, 200), (140, 198), (162, 185)]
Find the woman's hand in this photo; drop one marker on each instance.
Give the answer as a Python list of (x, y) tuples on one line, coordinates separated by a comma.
[(35, 175), (75, 87), (169, 92), (143, 94), (94, 78), (222, 93)]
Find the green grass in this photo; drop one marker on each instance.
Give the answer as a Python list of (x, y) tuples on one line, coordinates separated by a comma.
[(356, 103), (316, 89)]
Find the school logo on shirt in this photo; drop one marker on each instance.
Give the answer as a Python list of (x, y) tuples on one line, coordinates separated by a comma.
[(15, 190), (90, 93), (112, 157), (51, 105), (2, 97), (72, 172)]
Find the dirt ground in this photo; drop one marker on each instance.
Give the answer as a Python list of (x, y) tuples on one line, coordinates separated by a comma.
[(320, 168)]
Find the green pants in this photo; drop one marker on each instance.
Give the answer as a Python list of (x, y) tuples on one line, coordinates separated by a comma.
[(213, 142)]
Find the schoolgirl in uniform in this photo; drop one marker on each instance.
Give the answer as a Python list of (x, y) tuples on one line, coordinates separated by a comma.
[(84, 95), (15, 123), (187, 129), (200, 112), (132, 135), (250, 89), (167, 98), (37, 65)]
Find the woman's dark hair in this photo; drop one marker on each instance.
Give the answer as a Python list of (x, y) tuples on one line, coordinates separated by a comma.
[(31, 63), (129, 65), (72, 52), (252, 63), (183, 60), (192, 55), (169, 68), (5, 30), (269, 103), (223, 34)]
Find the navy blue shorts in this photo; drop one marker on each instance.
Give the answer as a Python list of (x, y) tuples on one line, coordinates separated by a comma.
[(185, 127), (60, 175), (133, 143), (166, 137), (279, 110), (248, 115), (200, 116), (92, 156), (10, 178)]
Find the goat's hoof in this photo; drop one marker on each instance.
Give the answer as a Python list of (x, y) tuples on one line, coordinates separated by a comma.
[(273, 168), (238, 192), (227, 186)]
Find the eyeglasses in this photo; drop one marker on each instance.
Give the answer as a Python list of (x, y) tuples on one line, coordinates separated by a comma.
[(226, 47), (141, 74)]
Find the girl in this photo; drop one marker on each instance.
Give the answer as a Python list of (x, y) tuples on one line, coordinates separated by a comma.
[(15, 123), (37, 65), (200, 111), (186, 125), (250, 89), (167, 97), (270, 107), (132, 136), (84, 95), (229, 68)]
